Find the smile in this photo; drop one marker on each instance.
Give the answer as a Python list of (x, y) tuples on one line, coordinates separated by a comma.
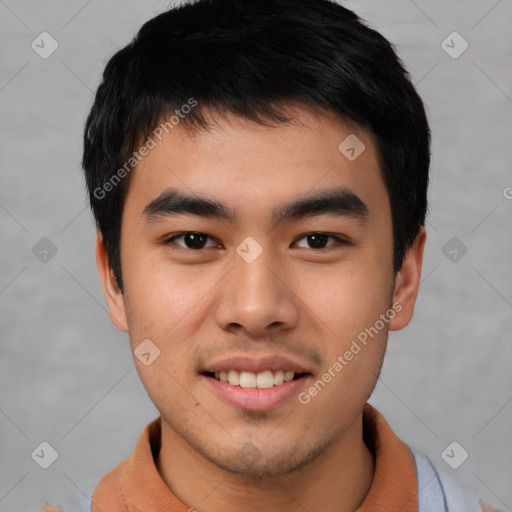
[(250, 391), (261, 380)]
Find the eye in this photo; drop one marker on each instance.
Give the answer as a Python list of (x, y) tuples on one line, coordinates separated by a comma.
[(319, 241), (191, 240)]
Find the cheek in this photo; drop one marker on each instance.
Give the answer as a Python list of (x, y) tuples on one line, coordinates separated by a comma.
[(347, 307), (345, 299), (159, 295), (166, 306), (160, 304)]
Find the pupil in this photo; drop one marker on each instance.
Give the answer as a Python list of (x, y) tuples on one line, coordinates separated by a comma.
[(317, 241), (194, 240)]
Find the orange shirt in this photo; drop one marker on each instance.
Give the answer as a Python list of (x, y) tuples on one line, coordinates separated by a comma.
[(135, 485)]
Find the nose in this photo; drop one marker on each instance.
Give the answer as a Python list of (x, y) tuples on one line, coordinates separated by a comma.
[(256, 299)]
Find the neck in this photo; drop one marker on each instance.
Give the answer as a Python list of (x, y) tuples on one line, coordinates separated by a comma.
[(338, 479)]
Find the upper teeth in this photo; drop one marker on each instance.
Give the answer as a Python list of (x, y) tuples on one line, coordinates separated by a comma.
[(262, 380)]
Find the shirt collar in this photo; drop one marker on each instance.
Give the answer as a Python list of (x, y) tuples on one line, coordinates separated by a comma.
[(137, 485)]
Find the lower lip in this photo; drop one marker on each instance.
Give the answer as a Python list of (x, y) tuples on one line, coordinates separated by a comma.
[(254, 399)]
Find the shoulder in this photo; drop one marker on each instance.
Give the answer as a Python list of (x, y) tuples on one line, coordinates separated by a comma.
[(109, 492), (437, 491)]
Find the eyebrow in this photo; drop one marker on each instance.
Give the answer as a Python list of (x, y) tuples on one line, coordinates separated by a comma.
[(338, 202)]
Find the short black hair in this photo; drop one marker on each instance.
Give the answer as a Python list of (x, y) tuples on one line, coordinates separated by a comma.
[(252, 59)]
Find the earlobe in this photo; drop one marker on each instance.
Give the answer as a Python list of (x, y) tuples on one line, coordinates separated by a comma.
[(113, 295), (407, 281)]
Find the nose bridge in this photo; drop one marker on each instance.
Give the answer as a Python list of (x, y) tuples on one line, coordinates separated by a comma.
[(255, 297), (254, 275)]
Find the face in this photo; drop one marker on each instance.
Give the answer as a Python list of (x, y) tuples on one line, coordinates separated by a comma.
[(259, 250)]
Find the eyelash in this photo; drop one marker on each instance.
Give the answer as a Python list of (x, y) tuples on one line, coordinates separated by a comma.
[(338, 240)]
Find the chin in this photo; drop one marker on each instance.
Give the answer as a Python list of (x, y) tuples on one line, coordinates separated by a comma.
[(251, 463)]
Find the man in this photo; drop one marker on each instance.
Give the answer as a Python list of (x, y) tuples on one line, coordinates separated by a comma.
[(258, 173)]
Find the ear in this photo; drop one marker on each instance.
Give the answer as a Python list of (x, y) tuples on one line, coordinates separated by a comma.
[(407, 282), (114, 296)]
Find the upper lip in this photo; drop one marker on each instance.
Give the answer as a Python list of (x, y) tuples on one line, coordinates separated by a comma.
[(256, 364)]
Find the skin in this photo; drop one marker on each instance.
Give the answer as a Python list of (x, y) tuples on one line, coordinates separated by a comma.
[(294, 299)]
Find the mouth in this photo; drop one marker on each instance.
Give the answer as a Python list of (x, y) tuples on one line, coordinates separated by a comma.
[(255, 380), (249, 391)]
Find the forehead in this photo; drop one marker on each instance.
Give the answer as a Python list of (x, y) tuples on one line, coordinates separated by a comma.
[(255, 167)]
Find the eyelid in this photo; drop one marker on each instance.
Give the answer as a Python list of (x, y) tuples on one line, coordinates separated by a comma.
[(339, 240), (171, 239)]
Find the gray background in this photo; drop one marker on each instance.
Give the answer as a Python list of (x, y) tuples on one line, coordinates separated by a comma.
[(67, 374)]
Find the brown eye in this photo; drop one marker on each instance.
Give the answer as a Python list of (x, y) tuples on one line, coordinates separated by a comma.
[(191, 240), (319, 241)]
